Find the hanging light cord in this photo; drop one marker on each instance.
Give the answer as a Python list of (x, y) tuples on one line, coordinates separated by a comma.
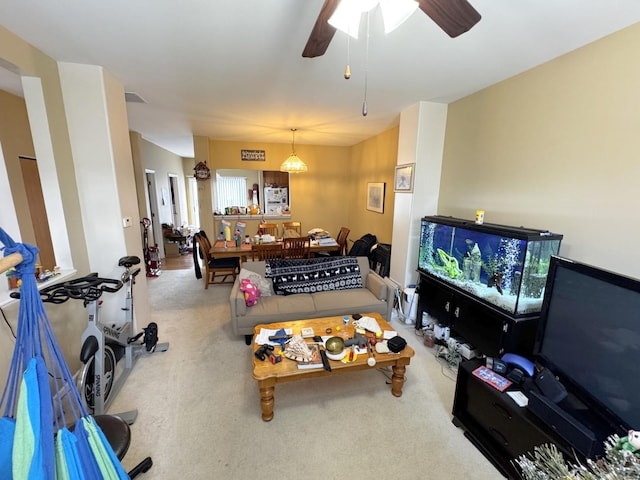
[(347, 70), (293, 141), (366, 71)]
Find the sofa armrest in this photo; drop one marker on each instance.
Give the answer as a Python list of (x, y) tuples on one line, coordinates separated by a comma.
[(384, 289), (376, 285), (236, 301)]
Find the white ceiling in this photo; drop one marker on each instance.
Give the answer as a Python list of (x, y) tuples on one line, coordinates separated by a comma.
[(233, 70)]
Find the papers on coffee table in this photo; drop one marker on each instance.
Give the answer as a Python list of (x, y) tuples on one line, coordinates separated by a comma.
[(265, 333)]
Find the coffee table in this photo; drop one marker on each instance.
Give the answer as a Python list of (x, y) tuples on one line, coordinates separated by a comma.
[(269, 375)]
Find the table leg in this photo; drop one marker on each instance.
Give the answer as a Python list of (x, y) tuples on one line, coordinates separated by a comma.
[(397, 379), (266, 402)]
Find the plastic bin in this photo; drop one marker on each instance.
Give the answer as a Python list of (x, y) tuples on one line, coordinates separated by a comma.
[(410, 305)]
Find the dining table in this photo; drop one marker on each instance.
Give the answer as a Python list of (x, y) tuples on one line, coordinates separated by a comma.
[(222, 249)]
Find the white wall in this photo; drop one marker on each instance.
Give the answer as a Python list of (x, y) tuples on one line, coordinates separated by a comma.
[(164, 163), (98, 129)]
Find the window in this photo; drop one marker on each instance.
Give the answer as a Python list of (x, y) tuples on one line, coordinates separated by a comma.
[(230, 192)]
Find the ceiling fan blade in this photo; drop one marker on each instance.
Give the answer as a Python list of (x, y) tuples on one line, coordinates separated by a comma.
[(322, 32), (453, 16)]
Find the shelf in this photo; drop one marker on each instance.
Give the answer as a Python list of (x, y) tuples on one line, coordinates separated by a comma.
[(6, 300)]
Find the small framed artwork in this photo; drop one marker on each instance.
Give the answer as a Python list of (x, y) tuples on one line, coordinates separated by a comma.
[(375, 197), (404, 178)]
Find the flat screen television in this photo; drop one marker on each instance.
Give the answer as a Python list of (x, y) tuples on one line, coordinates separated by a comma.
[(589, 337)]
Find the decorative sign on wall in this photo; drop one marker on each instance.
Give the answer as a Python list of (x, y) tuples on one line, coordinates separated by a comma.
[(252, 155)]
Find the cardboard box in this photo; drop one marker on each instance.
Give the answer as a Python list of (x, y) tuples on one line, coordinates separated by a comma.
[(171, 250)]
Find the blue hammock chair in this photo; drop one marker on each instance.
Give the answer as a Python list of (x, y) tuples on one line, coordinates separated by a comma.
[(40, 399)]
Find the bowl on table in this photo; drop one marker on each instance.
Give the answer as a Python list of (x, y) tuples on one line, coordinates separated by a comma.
[(335, 348)]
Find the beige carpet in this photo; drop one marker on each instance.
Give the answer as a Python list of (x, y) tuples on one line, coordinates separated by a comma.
[(199, 412)]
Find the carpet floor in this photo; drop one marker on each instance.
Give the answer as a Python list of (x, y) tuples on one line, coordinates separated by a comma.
[(199, 407)]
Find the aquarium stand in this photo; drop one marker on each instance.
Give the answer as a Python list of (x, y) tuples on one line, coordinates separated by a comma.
[(490, 331)]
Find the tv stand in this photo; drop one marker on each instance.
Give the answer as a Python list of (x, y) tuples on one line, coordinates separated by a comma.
[(496, 425)]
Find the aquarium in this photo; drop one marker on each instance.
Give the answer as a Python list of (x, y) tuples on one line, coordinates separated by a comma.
[(501, 265)]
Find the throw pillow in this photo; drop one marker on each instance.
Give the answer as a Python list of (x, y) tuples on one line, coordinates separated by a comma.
[(259, 281), (251, 292)]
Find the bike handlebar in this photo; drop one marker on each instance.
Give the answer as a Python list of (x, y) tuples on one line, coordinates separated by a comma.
[(88, 288)]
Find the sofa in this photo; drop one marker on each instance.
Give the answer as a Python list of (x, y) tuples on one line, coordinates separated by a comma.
[(359, 290)]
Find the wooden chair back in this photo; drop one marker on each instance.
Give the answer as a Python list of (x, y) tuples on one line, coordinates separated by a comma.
[(288, 229), (267, 251), (216, 270), (299, 247), (269, 229), (341, 240)]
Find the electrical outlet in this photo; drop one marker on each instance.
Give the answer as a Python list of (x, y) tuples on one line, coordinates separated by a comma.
[(126, 222)]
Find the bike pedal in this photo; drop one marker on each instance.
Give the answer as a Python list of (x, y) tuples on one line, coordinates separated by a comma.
[(151, 336)]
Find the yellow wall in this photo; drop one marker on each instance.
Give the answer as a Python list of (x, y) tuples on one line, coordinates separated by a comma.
[(373, 160), (556, 147), (332, 193), (30, 61)]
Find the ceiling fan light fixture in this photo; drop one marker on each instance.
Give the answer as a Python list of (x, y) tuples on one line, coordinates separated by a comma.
[(396, 12), (348, 13), (293, 163)]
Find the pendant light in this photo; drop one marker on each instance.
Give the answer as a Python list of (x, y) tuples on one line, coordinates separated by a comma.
[(293, 164)]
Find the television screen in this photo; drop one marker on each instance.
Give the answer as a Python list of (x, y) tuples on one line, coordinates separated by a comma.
[(589, 336)]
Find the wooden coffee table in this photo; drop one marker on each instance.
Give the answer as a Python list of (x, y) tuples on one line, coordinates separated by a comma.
[(268, 374)]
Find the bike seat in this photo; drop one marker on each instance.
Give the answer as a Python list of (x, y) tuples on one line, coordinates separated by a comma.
[(128, 261), (117, 433)]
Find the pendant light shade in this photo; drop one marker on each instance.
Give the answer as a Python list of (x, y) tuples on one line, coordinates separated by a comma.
[(293, 164)]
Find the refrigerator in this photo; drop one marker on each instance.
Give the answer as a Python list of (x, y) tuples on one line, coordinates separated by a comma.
[(275, 199)]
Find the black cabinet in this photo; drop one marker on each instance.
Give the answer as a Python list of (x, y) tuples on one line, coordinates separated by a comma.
[(495, 424), (490, 331)]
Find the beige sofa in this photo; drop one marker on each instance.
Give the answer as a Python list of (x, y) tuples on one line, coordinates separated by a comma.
[(377, 295)]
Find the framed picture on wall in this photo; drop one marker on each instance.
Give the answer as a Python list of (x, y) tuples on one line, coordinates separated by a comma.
[(375, 197), (404, 178)]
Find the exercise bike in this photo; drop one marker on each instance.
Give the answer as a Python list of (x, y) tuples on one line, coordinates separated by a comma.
[(106, 346), (103, 346)]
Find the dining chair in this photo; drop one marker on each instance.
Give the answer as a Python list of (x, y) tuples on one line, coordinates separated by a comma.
[(267, 251), (291, 229), (269, 229), (341, 240), (225, 269), (298, 247)]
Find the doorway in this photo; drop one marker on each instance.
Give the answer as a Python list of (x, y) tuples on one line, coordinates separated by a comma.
[(38, 212), (173, 191), (194, 206), (152, 197)]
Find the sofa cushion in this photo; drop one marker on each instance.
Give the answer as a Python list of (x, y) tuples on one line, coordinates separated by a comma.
[(359, 300), (311, 275), (277, 308)]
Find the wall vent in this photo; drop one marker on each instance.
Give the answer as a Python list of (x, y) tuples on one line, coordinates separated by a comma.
[(133, 97)]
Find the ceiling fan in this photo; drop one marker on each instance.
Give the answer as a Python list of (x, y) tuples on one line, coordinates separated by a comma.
[(453, 16)]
